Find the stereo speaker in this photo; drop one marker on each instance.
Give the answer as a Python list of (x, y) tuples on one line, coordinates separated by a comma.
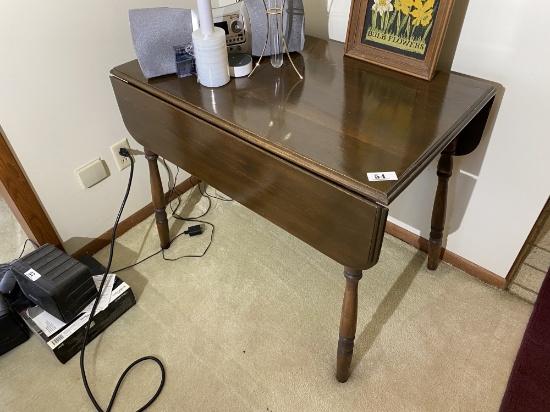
[(156, 31)]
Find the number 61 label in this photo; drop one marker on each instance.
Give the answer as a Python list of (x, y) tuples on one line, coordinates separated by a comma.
[(381, 176)]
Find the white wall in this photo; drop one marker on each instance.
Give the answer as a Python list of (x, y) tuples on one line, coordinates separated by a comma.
[(499, 190), (58, 110)]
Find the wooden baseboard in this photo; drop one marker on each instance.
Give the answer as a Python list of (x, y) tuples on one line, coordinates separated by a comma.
[(457, 261), (391, 228), (103, 240)]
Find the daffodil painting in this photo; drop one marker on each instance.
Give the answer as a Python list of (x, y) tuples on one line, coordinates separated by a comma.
[(400, 26)]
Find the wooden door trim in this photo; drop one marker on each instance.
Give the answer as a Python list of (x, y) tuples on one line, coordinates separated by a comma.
[(21, 199)]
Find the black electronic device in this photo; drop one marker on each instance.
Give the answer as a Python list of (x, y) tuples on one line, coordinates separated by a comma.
[(234, 21), (13, 331), (55, 281)]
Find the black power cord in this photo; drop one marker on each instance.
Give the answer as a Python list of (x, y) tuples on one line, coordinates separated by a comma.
[(4, 267), (192, 230), (123, 152)]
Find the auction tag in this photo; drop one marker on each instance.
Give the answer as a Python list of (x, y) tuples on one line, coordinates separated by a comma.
[(381, 176), (32, 274)]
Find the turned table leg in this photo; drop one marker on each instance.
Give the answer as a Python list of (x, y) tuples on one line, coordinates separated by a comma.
[(157, 194), (444, 172), (348, 323)]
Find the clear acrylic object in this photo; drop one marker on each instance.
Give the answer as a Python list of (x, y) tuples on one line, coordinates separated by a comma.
[(275, 34), (274, 37)]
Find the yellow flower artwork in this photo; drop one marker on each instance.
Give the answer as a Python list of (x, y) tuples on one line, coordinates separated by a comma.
[(404, 6), (403, 26), (423, 12)]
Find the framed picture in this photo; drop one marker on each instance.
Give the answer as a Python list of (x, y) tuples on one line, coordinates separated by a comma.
[(403, 35)]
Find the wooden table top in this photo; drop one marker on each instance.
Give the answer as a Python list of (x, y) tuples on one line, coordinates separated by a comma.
[(345, 119)]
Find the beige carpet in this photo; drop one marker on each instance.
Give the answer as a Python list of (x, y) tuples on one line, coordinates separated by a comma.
[(253, 326), (13, 237)]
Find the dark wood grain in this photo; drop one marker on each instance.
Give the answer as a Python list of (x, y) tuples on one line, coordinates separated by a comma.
[(346, 118), (335, 221), (20, 197), (159, 203), (298, 152), (439, 211), (348, 324)]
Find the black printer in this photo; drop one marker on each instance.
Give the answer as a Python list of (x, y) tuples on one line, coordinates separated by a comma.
[(55, 281)]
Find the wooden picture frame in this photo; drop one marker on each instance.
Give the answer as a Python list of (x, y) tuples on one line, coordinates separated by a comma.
[(403, 35)]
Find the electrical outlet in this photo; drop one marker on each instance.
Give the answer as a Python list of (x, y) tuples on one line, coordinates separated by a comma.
[(121, 161)]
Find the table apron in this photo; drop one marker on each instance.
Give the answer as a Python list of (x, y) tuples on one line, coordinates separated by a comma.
[(337, 222)]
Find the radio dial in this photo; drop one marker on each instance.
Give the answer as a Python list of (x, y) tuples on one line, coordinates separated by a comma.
[(235, 23), (236, 26)]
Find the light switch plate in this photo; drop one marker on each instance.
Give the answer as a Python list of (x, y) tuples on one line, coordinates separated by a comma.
[(91, 173)]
